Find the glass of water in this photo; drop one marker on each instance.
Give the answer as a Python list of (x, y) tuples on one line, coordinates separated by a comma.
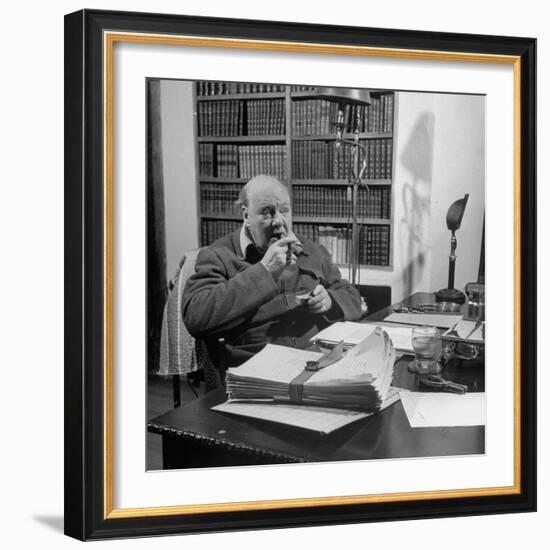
[(426, 343)]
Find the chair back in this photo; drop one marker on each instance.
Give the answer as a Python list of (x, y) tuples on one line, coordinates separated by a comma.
[(180, 353), (177, 346)]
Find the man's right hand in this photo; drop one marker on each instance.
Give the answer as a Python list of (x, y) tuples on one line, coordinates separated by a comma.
[(278, 255)]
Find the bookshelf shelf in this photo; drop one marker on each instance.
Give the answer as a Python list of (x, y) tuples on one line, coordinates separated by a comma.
[(288, 134), (339, 220), (256, 95), (210, 216), (304, 219), (242, 139), (211, 179), (344, 182), (330, 137)]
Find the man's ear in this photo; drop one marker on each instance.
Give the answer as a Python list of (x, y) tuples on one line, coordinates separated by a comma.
[(244, 210)]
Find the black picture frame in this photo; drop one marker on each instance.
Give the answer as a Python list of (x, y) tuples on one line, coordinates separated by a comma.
[(87, 513)]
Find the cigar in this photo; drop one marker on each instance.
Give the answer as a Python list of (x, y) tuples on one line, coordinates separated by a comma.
[(288, 254)]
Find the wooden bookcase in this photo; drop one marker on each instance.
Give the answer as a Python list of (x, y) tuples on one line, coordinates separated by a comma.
[(245, 129)]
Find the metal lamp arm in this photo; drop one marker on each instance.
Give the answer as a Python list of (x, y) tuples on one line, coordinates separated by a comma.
[(363, 167)]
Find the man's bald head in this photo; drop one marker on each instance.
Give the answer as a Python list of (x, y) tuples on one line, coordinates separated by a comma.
[(258, 186), (265, 204)]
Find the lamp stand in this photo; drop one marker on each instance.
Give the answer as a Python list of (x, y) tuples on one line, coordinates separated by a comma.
[(451, 294), (354, 181)]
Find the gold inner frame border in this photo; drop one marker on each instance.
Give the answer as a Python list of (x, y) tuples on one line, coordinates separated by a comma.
[(109, 40)]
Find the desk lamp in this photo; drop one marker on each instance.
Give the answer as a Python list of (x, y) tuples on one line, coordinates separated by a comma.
[(344, 97), (454, 219)]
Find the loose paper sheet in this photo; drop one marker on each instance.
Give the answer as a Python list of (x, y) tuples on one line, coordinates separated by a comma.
[(469, 330), (426, 410)]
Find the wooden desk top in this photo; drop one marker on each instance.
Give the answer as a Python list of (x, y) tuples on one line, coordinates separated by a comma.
[(384, 435)]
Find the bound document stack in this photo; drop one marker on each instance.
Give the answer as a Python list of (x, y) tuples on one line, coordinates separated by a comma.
[(358, 381)]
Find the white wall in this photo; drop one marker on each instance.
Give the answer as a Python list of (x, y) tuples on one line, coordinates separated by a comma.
[(31, 466), (458, 168), (439, 156), (179, 170)]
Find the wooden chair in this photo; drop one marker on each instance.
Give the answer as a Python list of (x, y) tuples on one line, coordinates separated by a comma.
[(180, 353)]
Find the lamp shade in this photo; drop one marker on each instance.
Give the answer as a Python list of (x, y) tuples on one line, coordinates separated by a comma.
[(344, 96), (456, 212)]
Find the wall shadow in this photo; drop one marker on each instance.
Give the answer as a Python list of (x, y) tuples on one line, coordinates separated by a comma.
[(417, 159), (55, 523)]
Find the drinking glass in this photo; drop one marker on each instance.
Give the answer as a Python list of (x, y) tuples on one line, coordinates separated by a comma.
[(426, 343)]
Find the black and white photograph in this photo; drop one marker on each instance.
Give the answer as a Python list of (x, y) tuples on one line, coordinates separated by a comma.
[(315, 274), (300, 275)]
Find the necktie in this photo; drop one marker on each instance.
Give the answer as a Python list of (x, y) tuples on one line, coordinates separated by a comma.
[(252, 254)]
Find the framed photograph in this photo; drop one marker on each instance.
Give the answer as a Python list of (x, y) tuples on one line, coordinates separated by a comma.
[(300, 274)]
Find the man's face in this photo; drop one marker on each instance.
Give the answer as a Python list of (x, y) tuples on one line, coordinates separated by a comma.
[(268, 215)]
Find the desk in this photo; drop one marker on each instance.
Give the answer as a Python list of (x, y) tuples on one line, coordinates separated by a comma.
[(194, 436)]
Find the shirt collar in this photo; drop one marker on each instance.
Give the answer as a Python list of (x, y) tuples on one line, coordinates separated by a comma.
[(244, 241)]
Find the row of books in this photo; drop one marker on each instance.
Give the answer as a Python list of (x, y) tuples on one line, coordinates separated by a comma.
[(241, 161), (298, 88), (227, 161), (207, 160), (221, 118), (379, 114), (374, 245), (322, 200), (207, 88), (220, 198), (308, 230), (374, 242), (261, 159), (316, 116), (235, 117), (324, 160), (308, 200), (265, 117), (231, 118), (337, 240), (214, 229)]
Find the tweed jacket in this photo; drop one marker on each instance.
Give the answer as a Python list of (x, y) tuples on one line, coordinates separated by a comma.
[(229, 297)]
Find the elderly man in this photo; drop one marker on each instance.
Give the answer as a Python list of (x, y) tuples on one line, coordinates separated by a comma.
[(263, 284)]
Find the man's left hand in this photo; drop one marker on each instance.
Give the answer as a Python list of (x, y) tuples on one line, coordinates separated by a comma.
[(320, 301)]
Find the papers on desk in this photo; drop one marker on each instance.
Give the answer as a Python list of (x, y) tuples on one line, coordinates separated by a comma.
[(466, 330), (319, 419), (442, 320), (426, 410), (352, 333), (358, 381)]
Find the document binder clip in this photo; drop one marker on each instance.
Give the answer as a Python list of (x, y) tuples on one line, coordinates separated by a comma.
[(329, 358)]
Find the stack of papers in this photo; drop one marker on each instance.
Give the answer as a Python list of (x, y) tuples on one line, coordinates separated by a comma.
[(358, 381), (353, 333), (324, 420)]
